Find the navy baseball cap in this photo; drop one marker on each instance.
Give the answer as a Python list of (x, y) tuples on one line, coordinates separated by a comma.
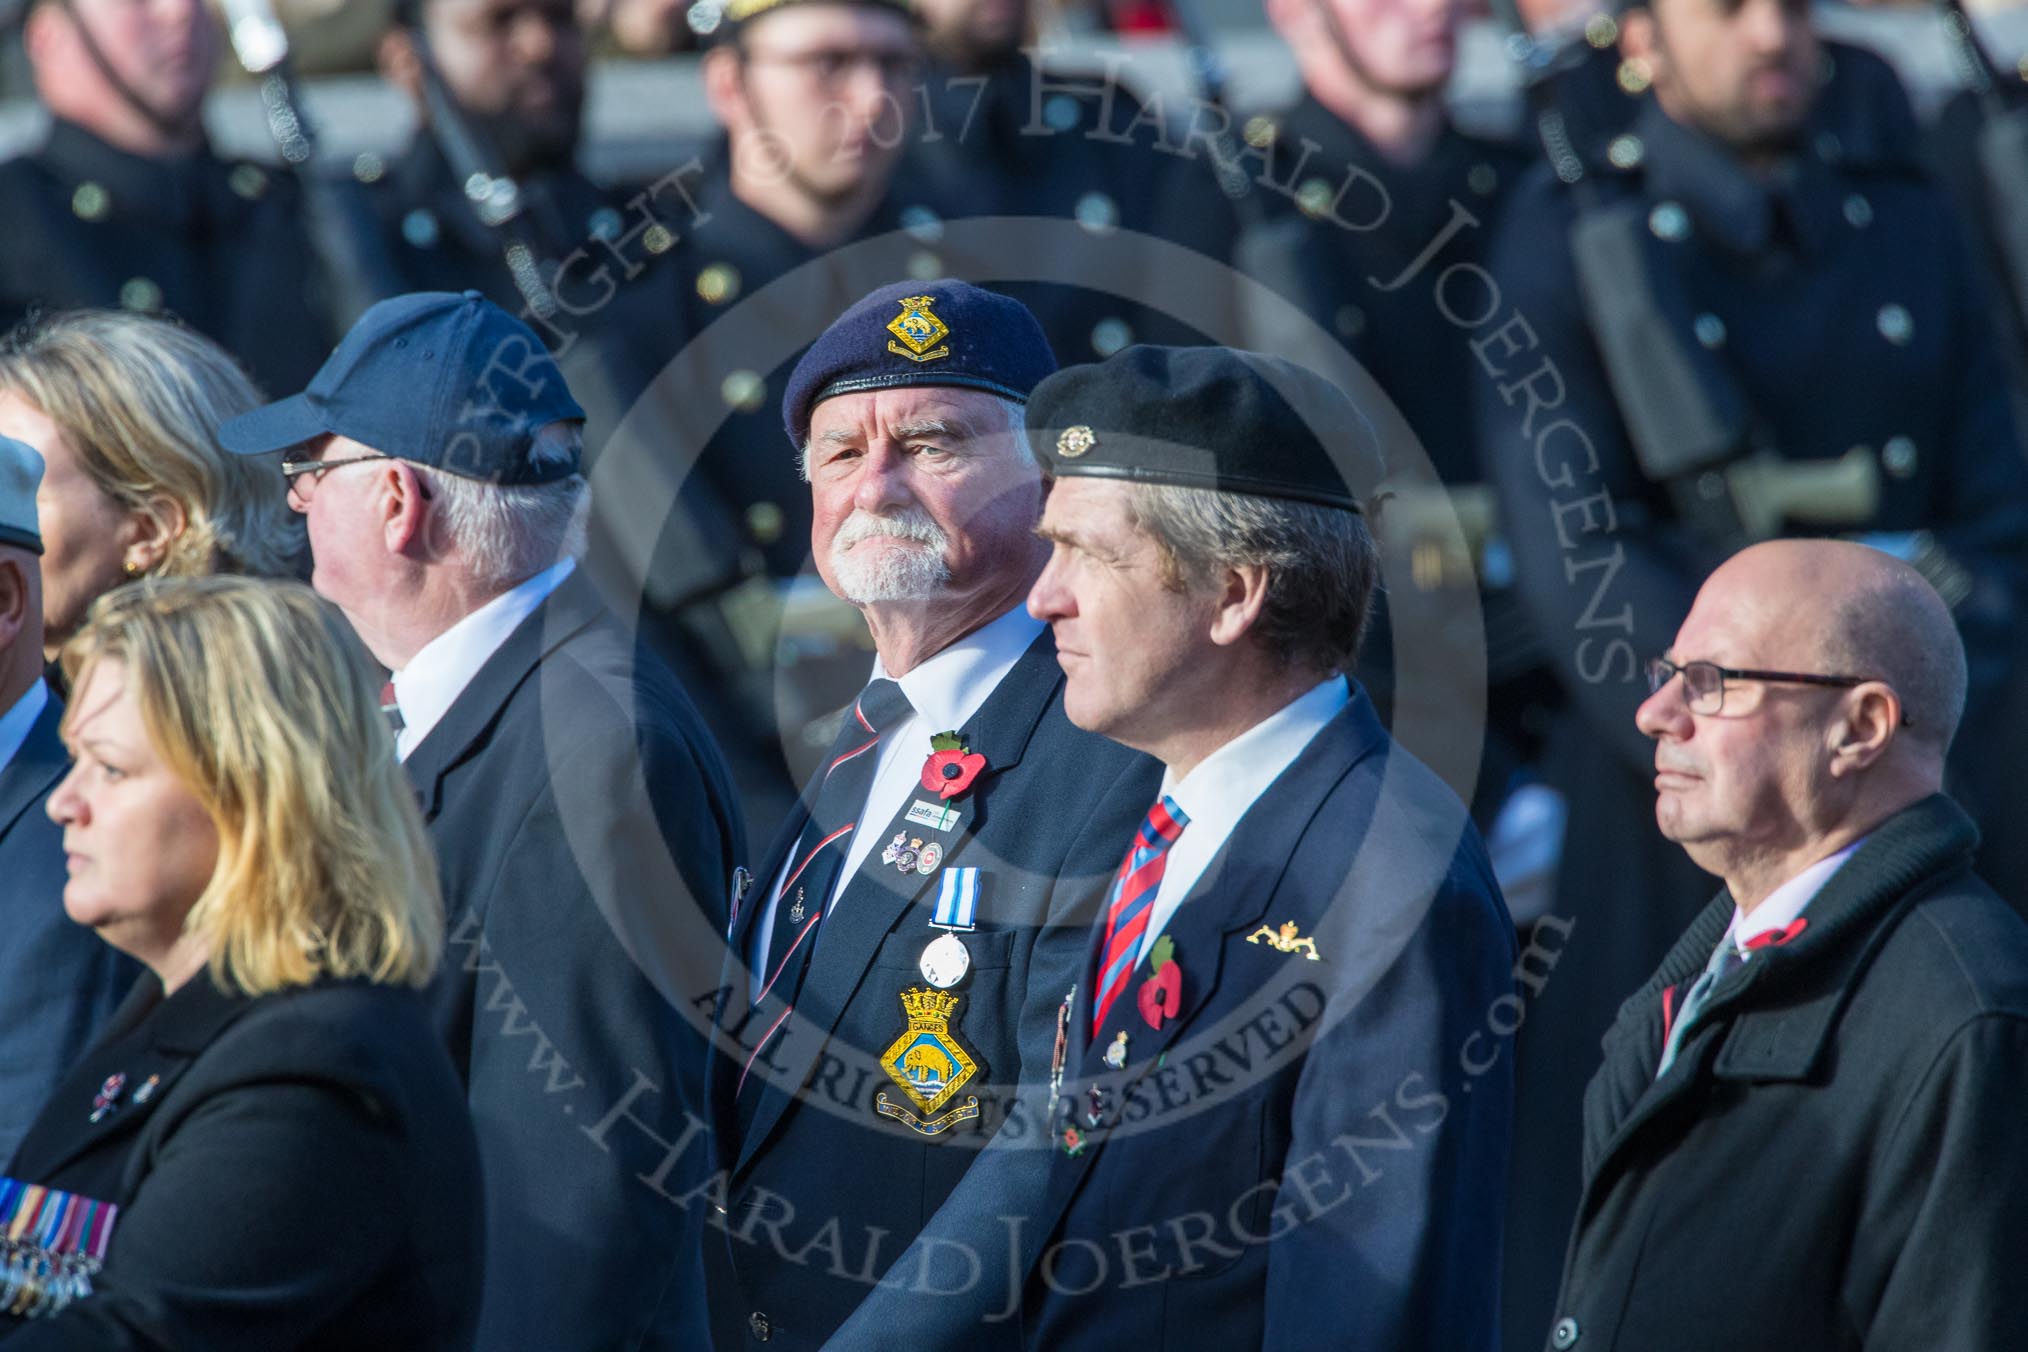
[(449, 381), (921, 333)]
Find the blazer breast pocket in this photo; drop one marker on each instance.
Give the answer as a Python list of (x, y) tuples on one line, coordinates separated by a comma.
[(1196, 1188)]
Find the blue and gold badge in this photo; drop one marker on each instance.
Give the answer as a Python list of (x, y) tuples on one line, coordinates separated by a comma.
[(929, 1063), (919, 328)]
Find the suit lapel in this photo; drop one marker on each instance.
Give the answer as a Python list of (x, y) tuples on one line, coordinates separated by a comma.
[(40, 763), (149, 1066), (1228, 900), (465, 725), (878, 894)]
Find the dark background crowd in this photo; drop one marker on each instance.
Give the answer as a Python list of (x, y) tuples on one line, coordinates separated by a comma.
[(1613, 349)]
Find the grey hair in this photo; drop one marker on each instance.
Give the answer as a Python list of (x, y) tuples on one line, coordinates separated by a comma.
[(1321, 561), (1015, 413), (506, 535)]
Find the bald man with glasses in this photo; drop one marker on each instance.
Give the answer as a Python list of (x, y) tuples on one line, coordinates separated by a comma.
[(1803, 1131)]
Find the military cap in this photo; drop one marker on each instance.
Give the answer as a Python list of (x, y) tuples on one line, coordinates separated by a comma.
[(921, 333), (20, 473), (435, 378), (720, 21), (1207, 417)]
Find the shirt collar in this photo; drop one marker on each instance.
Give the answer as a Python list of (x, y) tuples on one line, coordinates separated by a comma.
[(1224, 784), (426, 688), (947, 688), (18, 721), (1786, 903)]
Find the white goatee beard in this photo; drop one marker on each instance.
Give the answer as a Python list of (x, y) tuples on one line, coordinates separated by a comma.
[(890, 574)]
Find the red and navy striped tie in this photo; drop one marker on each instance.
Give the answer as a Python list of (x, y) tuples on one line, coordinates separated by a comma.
[(820, 852), (1130, 901)]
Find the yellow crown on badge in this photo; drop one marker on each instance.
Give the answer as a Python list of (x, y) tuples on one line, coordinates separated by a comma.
[(927, 1006), (918, 327)]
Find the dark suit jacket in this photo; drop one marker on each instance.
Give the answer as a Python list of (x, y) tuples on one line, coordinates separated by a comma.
[(1311, 1153), (1044, 822), (586, 834), (58, 980), (300, 1175), (1843, 1116)]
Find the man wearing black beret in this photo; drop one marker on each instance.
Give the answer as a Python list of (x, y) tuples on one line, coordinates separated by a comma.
[(1284, 1112), (898, 966)]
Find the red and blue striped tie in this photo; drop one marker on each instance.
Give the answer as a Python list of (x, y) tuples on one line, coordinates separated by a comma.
[(1130, 901)]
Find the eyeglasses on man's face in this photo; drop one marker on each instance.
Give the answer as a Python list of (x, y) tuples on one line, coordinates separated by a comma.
[(1704, 682), (302, 476)]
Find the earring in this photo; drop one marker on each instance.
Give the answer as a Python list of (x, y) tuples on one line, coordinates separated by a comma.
[(131, 568)]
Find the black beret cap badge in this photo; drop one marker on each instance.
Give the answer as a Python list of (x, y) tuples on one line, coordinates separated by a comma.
[(1075, 441), (918, 327)]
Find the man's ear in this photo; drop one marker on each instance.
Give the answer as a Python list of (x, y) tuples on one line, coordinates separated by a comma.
[(1242, 597), (1869, 717), (15, 598), (399, 65), (1294, 20), (725, 89), (407, 523)]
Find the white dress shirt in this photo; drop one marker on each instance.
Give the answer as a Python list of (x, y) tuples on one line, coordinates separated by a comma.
[(17, 721), (430, 684), (1783, 906), (945, 690), (1222, 786)]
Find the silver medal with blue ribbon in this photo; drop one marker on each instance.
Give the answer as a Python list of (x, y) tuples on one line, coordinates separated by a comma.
[(946, 960)]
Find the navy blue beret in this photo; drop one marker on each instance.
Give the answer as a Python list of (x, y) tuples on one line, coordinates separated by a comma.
[(921, 333), (1207, 417)]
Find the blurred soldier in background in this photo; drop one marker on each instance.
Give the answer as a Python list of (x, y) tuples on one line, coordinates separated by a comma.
[(125, 204), (1378, 192), (499, 90), (1739, 327), (1001, 135)]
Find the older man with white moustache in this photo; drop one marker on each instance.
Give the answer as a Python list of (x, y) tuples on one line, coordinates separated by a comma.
[(1804, 1131), (897, 970)]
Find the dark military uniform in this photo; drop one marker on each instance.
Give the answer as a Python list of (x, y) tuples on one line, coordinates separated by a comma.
[(217, 243), (1354, 240), (1019, 140), (611, 332), (1837, 300)]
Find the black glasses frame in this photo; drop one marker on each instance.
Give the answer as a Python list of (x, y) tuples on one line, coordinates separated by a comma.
[(1661, 671)]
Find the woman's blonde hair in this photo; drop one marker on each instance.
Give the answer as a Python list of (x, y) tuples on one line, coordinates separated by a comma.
[(139, 399), (257, 697)]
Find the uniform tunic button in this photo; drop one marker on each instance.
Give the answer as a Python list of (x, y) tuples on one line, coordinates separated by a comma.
[(91, 202), (1710, 330), (368, 167), (1897, 326), (1858, 211), (1565, 1334), (1899, 456), (1097, 213), (1483, 179), (139, 293), (420, 229), (1669, 222), (762, 1330), (1626, 152), (718, 283)]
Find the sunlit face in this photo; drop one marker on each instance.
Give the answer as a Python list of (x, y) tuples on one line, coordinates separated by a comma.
[(165, 51), (1744, 71), (920, 493), (518, 66), (1739, 783), (339, 506), (85, 534), (822, 99), (1122, 635), (139, 846), (1406, 48)]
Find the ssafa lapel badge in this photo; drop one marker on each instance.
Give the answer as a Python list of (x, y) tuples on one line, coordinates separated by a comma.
[(1161, 995), (1285, 940)]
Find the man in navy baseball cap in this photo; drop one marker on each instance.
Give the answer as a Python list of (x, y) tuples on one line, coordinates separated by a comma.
[(436, 457)]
